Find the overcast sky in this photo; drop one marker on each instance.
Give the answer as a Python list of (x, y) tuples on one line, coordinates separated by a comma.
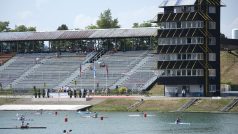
[(47, 15)]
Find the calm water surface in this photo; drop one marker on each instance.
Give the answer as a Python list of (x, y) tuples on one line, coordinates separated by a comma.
[(122, 123)]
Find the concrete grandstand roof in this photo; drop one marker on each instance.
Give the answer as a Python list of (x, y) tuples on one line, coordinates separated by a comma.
[(80, 34)]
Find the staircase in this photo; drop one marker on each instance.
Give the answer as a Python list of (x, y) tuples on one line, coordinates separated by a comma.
[(233, 53), (134, 69), (230, 105), (7, 63), (135, 105), (73, 76), (187, 105), (96, 56), (23, 76)]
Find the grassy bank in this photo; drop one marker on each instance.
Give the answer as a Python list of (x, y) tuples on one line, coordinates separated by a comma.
[(113, 105), (7, 101), (164, 105)]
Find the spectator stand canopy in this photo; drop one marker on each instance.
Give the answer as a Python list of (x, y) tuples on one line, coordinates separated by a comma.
[(79, 34)]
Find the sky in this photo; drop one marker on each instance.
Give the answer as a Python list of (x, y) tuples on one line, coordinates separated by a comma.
[(47, 15)]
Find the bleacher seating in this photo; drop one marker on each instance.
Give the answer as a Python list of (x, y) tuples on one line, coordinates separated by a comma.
[(132, 69), (119, 64)]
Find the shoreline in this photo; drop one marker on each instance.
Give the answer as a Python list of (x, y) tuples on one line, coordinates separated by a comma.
[(122, 103)]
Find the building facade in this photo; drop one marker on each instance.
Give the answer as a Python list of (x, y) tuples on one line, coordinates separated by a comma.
[(189, 47)]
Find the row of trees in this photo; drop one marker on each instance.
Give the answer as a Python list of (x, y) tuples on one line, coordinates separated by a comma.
[(4, 27)]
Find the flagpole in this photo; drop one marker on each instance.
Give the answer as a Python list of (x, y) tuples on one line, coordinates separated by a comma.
[(106, 75), (81, 76), (94, 75)]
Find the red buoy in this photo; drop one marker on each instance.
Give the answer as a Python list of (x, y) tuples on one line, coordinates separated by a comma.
[(66, 119), (145, 114), (56, 113)]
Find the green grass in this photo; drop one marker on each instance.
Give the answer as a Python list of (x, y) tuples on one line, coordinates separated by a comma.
[(162, 105), (229, 72), (6, 101), (208, 105), (157, 90), (113, 105)]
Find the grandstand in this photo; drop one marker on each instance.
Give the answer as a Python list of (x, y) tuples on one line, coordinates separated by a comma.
[(46, 70)]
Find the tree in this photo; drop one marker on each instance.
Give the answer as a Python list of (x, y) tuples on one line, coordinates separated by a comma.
[(222, 36), (23, 28), (4, 26), (144, 24), (63, 27), (105, 21), (91, 27), (31, 29)]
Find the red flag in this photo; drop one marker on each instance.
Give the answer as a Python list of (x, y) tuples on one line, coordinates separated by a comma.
[(107, 69)]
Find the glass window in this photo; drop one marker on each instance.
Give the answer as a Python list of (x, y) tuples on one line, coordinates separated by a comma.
[(212, 56), (189, 24), (194, 72), (183, 56), (179, 56), (173, 72), (200, 24), (183, 72), (194, 56), (194, 24), (212, 72), (212, 88), (168, 73), (199, 72), (189, 40), (178, 72), (188, 72), (179, 25), (212, 41), (212, 9), (188, 56), (212, 25), (183, 23), (200, 40), (194, 40)]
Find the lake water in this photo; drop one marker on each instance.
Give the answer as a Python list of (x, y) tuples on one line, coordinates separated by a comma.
[(122, 123)]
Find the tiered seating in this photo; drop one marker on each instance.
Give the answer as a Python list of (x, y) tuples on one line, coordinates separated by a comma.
[(143, 75), (22, 63), (4, 57), (51, 71), (119, 64)]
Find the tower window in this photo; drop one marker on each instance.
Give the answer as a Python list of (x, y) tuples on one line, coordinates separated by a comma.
[(212, 56), (212, 41), (212, 88), (189, 40), (212, 25), (212, 72), (212, 9)]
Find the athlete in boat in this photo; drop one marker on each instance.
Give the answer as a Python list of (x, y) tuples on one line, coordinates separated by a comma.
[(178, 120)]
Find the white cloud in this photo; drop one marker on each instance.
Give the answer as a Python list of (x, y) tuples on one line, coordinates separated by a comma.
[(24, 15), (82, 21)]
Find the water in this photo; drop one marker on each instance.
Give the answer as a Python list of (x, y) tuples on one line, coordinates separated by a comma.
[(122, 123)]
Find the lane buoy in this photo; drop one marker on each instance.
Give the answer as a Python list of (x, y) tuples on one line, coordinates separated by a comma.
[(145, 114), (56, 113), (66, 119), (101, 117)]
